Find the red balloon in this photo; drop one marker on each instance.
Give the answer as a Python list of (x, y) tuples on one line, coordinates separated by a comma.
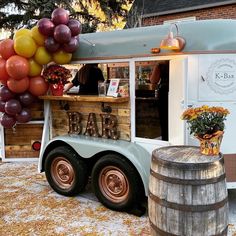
[(60, 16), (46, 26), (51, 45), (3, 72), (71, 46), (7, 121), (2, 106), (6, 94), (75, 27), (38, 86), (17, 67), (18, 86), (7, 48), (24, 116), (26, 98), (12, 107), (3, 82), (62, 34)]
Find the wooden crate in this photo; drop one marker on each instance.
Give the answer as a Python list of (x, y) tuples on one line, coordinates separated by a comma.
[(18, 141), (37, 110)]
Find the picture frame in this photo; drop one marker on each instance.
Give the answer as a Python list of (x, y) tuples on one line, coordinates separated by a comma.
[(113, 87)]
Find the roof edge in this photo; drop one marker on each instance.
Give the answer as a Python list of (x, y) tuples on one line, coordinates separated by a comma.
[(203, 6)]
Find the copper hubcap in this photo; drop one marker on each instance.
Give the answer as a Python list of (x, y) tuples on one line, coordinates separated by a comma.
[(114, 184), (62, 172)]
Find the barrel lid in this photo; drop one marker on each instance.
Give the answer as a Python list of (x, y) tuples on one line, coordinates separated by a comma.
[(183, 154)]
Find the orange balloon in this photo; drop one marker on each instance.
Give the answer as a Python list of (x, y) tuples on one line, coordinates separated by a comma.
[(7, 48), (17, 67), (3, 72), (38, 86), (18, 86)]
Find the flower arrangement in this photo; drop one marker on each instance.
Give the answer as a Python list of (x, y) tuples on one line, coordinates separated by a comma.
[(207, 125), (56, 74), (205, 121)]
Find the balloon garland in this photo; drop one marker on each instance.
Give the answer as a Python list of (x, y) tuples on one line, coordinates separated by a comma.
[(22, 60)]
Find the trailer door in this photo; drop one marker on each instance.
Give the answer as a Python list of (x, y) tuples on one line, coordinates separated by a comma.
[(177, 100)]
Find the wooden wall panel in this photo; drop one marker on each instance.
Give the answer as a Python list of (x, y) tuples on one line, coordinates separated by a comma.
[(60, 119)]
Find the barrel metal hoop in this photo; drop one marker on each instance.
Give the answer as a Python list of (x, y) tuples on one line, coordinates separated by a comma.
[(188, 166), (188, 181), (159, 231), (188, 208), (163, 233)]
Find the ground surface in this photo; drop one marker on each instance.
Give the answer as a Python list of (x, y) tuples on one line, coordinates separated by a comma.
[(28, 206)]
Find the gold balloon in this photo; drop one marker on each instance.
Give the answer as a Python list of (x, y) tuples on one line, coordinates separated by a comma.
[(42, 56), (25, 46), (21, 32), (35, 68), (62, 57), (37, 36)]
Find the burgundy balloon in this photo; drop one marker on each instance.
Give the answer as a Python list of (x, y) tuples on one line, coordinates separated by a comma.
[(62, 34), (46, 26), (7, 121), (51, 45), (71, 46), (75, 27), (6, 94), (12, 107), (24, 116), (2, 106), (60, 16), (26, 98)]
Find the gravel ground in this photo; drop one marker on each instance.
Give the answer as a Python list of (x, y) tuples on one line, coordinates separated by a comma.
[(28, 206)]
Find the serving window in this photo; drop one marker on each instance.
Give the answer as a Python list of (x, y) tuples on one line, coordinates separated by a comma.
[(151, 107)]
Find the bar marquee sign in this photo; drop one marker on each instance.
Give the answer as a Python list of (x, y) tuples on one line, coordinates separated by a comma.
[(109, 125)]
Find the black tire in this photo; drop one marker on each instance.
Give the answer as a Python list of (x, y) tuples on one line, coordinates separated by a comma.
[(116, 183), (65, 172)]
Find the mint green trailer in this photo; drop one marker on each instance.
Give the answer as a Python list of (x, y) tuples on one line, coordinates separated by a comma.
[(210, 49)]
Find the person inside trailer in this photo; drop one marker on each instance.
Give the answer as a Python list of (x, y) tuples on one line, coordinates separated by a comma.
[(160, 77), (87, 79)]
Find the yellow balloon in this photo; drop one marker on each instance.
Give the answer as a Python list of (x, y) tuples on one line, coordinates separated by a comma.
[(35, 68), (37, 36), (21, 32), (42, 56), (25, 46), (62, 57)]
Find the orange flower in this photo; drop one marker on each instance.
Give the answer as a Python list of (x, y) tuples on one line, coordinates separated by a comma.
[(205, 120)]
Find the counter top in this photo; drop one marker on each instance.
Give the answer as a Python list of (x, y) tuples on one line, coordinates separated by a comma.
[(147, 98), (85, 98)]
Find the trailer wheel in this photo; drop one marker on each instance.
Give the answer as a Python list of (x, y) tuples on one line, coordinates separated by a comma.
[(116, 183), (65, 172)]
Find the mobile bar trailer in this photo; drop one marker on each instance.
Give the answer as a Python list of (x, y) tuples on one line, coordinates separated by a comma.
[(109, 140)]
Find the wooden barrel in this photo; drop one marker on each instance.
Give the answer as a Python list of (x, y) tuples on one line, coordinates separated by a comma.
[(187, 193)]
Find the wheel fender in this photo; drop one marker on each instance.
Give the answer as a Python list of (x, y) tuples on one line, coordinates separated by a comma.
[(87, 147)]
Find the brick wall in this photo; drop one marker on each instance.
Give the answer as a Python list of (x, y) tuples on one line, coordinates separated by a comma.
[(223, 12)]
